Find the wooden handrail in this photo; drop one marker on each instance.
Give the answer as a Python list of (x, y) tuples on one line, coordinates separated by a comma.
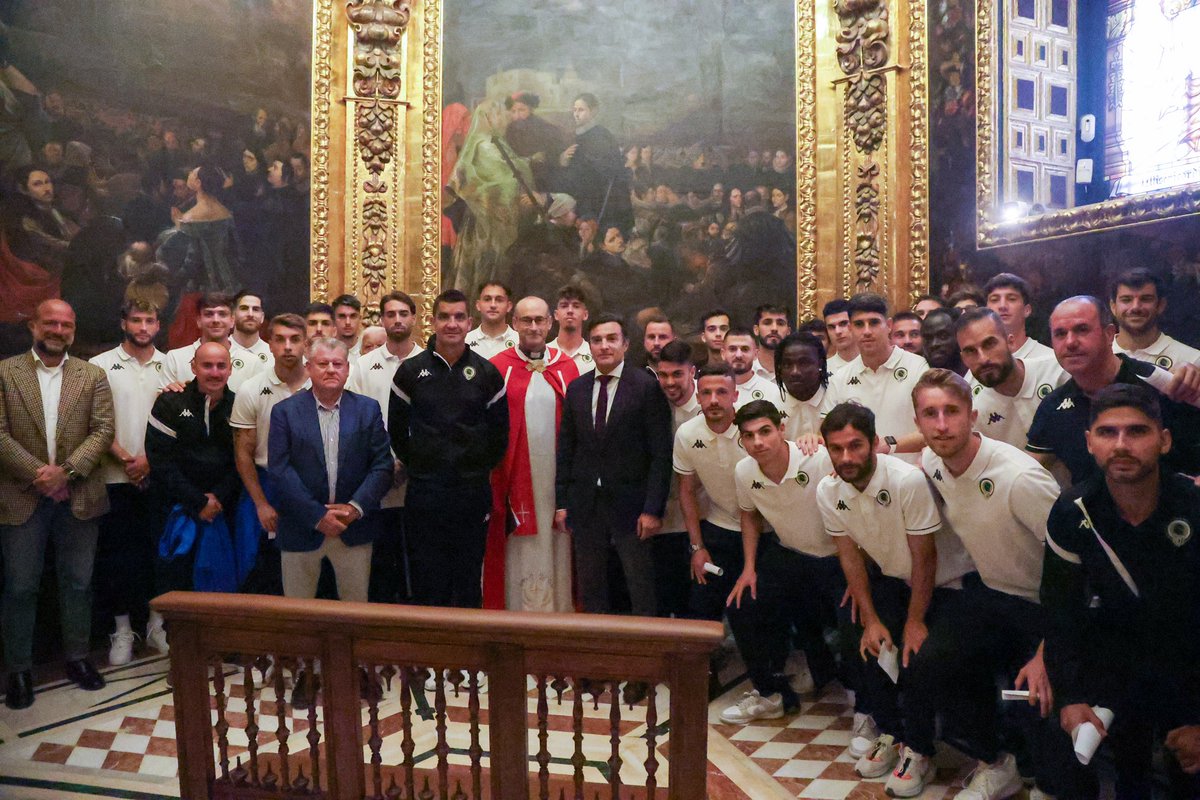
[(508, 646)]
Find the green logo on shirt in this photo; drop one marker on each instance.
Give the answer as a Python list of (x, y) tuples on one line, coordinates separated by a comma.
[(802, 478), (238, 363), (1179, 531), (587, 357), (1164, 361), (262, 357), (987, 487), (901, 374), (883, 498), (757, 394), (1044, 390), (978, 388), (468, 372)]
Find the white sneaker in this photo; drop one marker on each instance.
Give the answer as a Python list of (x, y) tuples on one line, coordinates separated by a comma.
[(120, 652), (1037, 794), (753, 706), (156, 637), (879, 760), (862, 735), (908, 780), (800, 676), (992, 781)]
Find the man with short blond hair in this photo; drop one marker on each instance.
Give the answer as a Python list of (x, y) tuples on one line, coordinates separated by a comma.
[(56, 423)]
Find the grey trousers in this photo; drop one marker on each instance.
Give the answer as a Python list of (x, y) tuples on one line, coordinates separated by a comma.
[(24, 548), (595, 543)]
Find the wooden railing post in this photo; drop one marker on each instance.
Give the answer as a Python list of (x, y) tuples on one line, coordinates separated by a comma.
[(507, 727), (343, 719), (193, 730), (689, 727)]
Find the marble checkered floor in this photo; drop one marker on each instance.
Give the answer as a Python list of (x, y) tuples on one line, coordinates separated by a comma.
[(120, 742)]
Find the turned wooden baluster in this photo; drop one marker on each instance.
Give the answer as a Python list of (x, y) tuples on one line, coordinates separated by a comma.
[(614, 727), (476, 749), (543, 756), (406, 743), (251, 722), (314, 736), (222, 725), (282, 732), (375, 741), (651, 742), (577, 760), (443, 747)]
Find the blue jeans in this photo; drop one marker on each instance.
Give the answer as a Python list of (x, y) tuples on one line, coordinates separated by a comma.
[(24, 548)]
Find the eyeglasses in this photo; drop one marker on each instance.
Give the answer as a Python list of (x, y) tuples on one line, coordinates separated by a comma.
[(533, 320)]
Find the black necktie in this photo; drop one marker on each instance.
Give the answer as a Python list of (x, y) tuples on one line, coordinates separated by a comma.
[(602, 404)]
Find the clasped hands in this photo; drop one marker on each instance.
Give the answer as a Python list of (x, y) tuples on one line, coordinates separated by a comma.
[(51, 481), (338, 517)]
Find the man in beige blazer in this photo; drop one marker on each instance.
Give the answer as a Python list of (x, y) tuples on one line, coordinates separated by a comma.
[(56, 421)]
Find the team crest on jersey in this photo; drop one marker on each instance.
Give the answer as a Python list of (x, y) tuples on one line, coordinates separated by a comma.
[(884, 498), (238, 363), (158, 365), (995, 417), (1164, 361), (802, 478), (587, 357), (468, 372), (841, 506), (757, 394), (1044, 390), (900, 374), (987, 487), (509, 343), (756, 485), (262, 357), (1179, 531), (978, 388)]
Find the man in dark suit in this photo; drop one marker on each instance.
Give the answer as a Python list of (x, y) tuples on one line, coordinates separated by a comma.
[(56, 421), (614, 469), (331, 463)]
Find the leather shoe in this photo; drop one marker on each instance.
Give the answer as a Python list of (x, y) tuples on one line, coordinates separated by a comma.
[(84, 675), (20, 690), (304, 691)]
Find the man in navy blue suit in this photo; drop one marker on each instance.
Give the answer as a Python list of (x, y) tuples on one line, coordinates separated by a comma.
[(330, 458), (614, 470)]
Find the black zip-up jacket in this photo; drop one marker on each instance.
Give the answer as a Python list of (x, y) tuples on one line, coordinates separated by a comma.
[(187, 458), (448, 423)]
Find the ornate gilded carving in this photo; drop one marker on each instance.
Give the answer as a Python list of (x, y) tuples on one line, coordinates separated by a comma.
[(431, 154), (806, 160), (321, 90), (866, 225), (865, 112), (918, 210)]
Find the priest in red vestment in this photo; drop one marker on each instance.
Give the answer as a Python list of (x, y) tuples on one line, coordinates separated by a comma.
[(528, 562)]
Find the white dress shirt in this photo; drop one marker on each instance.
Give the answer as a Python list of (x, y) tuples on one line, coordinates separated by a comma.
[(50, 384)]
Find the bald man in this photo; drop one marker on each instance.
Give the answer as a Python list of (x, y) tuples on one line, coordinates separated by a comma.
[(527, 566), (189, 444), (56, 422)]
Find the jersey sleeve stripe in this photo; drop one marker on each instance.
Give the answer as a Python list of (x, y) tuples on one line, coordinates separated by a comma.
[(159, 426), (396, 390), (1065, 555)]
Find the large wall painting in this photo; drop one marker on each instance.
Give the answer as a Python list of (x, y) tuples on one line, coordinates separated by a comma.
[(643, 152), (134, 98)]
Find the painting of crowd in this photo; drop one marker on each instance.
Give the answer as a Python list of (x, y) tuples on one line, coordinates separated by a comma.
[(103, 202), (642, 227)]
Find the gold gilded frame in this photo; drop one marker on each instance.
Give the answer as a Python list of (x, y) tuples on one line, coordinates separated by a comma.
[(377, 195), (1107, 215)]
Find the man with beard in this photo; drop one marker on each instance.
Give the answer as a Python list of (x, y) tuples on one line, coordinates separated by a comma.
[(771, 324), (906, 331), (996, 499), (494, 334), (657, 333), (246, 343), (1008, 389), (128, 532), (33, 248), (373, 376), (532, 137), (938, 344), (677, 378), (1082, 333), (713, 327), (215, 323), (56, 423), (571, 312), (801, 374), (1137, 303), (251, 423), (836, 314), (528, 562), (1009, 296), (770, 485), (881, 506), (1121, 589), (740, 351)]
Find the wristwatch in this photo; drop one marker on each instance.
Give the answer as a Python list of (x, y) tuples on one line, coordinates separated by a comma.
[(891, 443), (695, 548), (70, 471)]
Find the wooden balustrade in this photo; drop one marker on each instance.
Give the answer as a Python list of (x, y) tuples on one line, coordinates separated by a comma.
[(358, 657)]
